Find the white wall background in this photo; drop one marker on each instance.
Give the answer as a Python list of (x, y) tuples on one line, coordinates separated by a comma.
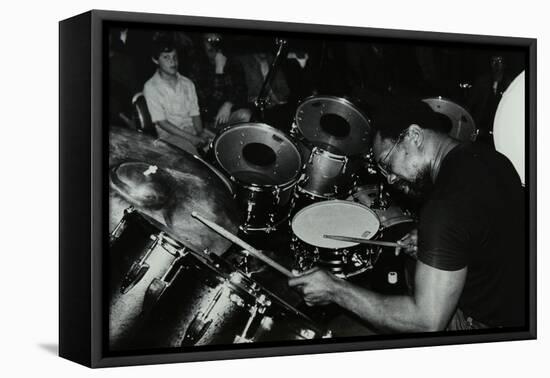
[(29, 189)]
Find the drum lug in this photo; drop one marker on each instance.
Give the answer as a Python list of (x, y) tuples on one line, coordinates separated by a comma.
[(345, 165), (138, 269), (136, 273), (312, 154), (121, 226), (201, 322), (196, 329)]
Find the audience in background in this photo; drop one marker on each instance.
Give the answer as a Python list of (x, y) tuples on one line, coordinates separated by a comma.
[(172, 100), (220, 84)]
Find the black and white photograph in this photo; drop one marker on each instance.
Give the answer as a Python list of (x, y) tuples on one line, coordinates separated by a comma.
[(272, 188)]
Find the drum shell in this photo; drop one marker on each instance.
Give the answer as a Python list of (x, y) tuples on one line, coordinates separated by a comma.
[(342, 262), (327, 175), (138, 256), (265, 208), (207, 304)]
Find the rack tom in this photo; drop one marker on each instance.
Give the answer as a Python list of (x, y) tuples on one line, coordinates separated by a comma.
[(264, 165)]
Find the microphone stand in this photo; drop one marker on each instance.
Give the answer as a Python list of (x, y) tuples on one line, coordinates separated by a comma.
[(261, 100)]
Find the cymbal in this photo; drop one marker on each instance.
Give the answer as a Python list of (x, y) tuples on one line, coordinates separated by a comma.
[(463, 125), (167, 184), (334, 124)]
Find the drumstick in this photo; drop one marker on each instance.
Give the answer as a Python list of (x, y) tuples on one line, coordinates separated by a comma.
[(241, 243), (363, 240)]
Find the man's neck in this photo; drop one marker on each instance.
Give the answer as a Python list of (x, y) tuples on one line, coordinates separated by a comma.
[(442, 146), (170, 78)]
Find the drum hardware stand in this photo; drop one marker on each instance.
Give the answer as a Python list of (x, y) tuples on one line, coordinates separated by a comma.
[(261, 100), (200, 323), (381, 202), (259, 308), (244, 265), (233, 238)]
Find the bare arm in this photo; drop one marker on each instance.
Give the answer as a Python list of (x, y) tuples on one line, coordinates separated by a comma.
[(197, 124), (430, 309), (170, 128)]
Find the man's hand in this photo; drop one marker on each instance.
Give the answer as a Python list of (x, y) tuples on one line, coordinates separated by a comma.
[(220, 61), (316, 286), (409, 243), (223, 113)]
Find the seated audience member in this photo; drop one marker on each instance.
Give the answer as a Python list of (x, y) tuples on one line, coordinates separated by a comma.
[(172, 101), (221, 87), (256, 67), (301, 69)]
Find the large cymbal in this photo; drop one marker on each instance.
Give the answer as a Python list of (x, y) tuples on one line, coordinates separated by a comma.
[(167, 184)]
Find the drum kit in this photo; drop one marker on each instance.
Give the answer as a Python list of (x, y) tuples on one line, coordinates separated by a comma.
[(169, 283)]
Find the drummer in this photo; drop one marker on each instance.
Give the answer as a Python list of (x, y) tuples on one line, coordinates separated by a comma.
[(470, 249)]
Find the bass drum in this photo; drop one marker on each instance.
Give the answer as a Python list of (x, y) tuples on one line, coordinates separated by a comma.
[(344, 259), (264, 165)]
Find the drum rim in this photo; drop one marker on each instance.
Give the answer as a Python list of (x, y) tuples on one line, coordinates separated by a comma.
[(445, 99), (253, 186), (217, 172), (340, 100), (392, 221), (334, 201), (313, 196)]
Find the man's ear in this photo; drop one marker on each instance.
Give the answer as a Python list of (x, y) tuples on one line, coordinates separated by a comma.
[(155, 61), (416, 135)]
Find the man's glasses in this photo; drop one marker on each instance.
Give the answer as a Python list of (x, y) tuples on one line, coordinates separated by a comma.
[(382, 164)]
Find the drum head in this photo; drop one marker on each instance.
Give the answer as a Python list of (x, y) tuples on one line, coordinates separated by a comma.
[(463, 125), (258, 154), (334, 124), (337, 218)]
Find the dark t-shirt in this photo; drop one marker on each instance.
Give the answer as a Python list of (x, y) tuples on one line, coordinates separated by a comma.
[(475, 217)]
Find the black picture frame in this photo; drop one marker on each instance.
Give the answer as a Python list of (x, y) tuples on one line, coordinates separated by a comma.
[(83, 191)]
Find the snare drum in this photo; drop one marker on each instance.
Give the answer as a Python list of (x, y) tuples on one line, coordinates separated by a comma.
[(264, 165), (344, 259)]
